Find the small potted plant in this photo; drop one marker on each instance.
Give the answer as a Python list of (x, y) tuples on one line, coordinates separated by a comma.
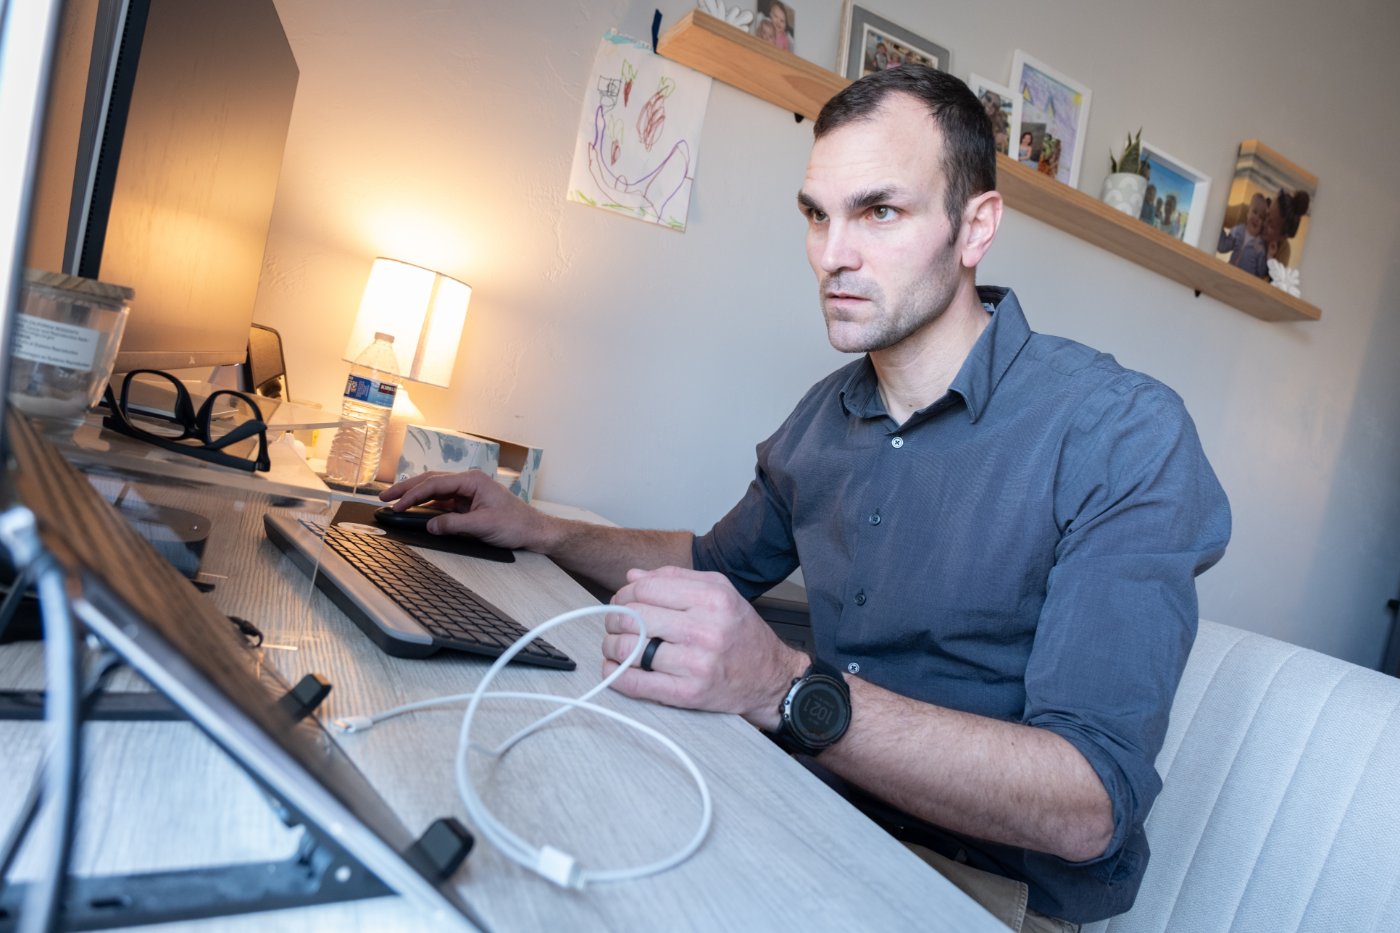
[(1126, 184)]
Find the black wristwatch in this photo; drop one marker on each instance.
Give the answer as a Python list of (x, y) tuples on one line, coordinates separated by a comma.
[(816, 710)]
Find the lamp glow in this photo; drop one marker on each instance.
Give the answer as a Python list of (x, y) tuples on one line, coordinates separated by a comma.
[(424, 310)]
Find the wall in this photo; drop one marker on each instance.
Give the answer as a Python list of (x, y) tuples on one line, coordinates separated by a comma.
[(648, 363)]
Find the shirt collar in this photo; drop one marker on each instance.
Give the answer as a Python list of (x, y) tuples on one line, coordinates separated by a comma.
[(986, 363), (993, 352)]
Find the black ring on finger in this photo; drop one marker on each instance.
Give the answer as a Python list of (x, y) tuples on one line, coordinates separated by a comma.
[(650, 653)]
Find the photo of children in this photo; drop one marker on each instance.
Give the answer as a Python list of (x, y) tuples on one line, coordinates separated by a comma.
[(1056, 106), (1033, 141), (1245, 241), (883, 52), (1266, 216), (872, 43), (997, 101), (1175, 192), (775, 24)]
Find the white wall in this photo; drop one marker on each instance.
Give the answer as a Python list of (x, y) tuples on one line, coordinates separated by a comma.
[(648, 363)]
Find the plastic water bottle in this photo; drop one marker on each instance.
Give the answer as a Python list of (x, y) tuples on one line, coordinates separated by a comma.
[(364, 414)]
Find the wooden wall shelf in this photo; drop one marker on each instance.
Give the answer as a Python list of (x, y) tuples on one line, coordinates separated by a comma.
[(731, 55)]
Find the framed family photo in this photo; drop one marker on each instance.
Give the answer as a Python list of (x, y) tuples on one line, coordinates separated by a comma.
[(998, 102), (776, 23), (1176, 197), (1049, 118), (871, 43), (1268, 210)]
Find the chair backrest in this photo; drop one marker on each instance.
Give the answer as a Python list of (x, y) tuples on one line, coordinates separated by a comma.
[(1280, 806), (265, 369)]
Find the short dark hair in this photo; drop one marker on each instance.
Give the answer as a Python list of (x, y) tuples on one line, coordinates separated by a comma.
[(969, 146), (1292, 208)]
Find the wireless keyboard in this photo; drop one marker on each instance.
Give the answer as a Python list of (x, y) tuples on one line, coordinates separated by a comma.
[(407, 605)]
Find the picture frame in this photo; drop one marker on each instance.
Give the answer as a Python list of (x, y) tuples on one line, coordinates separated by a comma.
[(1182, 188), (999, 103), (1269, 176), (870, 42), (1054, 109), (775, 22)]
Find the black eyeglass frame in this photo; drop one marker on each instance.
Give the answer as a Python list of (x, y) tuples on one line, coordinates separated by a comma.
[(194, 424)]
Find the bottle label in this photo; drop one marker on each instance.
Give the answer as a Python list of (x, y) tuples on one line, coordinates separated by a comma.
[(65, 345), (370, 391)]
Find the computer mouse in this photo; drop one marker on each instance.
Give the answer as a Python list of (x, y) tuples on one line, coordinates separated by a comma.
[(414, 519)]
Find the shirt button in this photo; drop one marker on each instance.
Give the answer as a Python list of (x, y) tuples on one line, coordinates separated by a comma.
[(875, 519), (860, 598), (896, 442), (853, 668)]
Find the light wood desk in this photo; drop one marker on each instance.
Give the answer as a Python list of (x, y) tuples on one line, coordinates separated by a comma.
[(784, 852)]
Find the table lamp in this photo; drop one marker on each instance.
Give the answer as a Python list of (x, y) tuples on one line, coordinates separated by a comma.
[(424, 311)]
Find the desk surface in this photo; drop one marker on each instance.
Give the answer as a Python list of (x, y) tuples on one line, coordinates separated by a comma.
[(783, 851)]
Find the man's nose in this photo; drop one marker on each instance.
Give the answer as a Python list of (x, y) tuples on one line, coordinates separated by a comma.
[(839, 250)]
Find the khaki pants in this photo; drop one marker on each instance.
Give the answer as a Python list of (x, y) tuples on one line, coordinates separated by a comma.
[(1003, 898)]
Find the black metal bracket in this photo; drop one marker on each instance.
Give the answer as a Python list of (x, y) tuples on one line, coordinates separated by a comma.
[(148, 706), (442, 848), (319, 873), (301, 701)]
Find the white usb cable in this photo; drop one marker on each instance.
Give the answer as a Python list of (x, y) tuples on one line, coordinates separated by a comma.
[(559, 867)]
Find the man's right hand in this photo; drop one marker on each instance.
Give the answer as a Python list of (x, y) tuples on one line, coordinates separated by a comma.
[(486, 510), (479, 507)]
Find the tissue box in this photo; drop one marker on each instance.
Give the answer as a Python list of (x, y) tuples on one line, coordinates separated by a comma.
[(517, 465), (443, 449)]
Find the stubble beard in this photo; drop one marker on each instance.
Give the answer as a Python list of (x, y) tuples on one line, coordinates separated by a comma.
[(885, 325)]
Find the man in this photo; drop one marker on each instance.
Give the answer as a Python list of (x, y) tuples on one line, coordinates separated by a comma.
[(999, 532)]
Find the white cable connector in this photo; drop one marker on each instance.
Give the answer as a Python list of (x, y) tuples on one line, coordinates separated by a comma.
[(559, 867), (553, 864)]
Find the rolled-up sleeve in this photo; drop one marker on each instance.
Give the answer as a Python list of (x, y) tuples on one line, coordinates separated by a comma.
[(753, 544), (1141, 515)]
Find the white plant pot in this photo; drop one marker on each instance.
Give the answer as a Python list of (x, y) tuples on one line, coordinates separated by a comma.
[(1124, 192)]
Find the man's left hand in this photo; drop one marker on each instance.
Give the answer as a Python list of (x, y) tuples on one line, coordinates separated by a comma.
[(716, 654)]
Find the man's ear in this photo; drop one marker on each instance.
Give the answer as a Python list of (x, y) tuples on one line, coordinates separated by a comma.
[(981, 218)]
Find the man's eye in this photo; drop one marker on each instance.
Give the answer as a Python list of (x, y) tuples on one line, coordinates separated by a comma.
[(882, 212), (816, 216)]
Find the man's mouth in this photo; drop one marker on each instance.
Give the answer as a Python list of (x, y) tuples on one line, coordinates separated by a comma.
[(836, 291)]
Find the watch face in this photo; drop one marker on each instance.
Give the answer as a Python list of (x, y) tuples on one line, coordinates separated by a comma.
[(820, 711)]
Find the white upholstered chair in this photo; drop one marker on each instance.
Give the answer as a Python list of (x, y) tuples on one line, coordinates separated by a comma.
[(1280, 809)]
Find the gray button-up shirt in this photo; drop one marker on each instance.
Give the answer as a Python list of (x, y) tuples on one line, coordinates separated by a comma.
[(1024, 548)]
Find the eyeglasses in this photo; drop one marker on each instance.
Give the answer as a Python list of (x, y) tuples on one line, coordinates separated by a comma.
[(228, 429)]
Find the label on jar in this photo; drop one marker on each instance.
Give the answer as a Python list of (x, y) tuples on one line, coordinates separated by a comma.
[(66, 345), (370, 391)]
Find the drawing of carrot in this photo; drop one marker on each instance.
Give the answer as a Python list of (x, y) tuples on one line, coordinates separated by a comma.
[(615, 131), (653, 116), (629, 74)]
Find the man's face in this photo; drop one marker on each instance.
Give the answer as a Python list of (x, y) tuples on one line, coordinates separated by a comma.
[(878, 236)]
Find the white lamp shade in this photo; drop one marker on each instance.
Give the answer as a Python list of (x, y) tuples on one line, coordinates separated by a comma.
[(423, 310)]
